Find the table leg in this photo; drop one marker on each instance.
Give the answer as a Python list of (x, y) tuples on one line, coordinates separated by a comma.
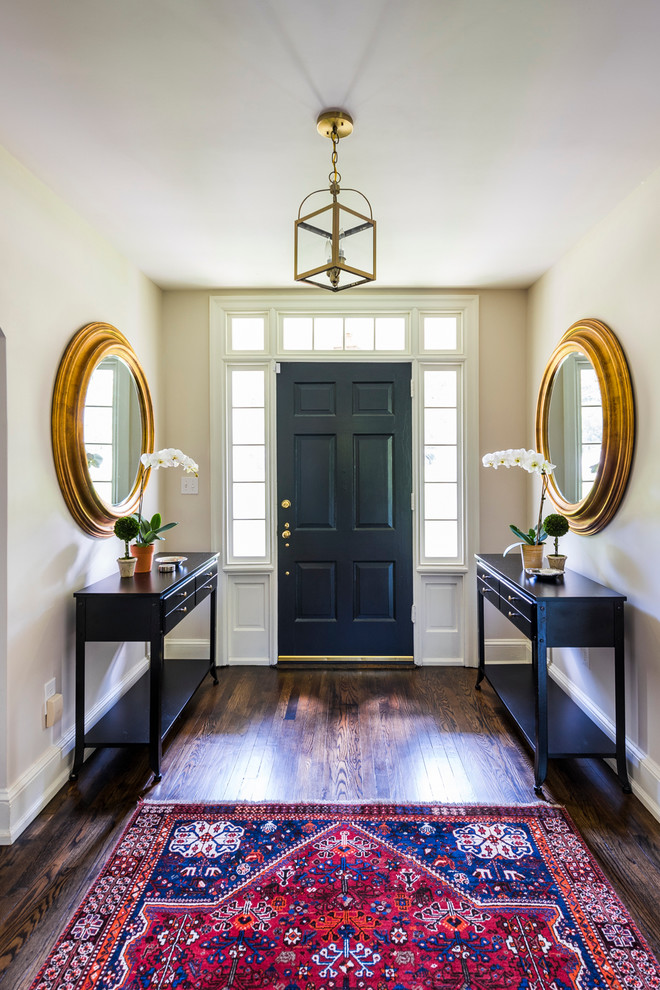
[(620, 699), (540, 662), (480, 636), (212, 635), (156, 697), (79, 752)]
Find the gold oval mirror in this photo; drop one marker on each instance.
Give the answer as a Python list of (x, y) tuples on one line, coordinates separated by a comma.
[(102, 420), (585, 425)]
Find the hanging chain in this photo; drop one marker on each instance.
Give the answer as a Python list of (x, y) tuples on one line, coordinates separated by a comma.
[(334, 176)]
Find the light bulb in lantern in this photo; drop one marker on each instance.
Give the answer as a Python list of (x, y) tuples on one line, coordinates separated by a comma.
[(342, 255)]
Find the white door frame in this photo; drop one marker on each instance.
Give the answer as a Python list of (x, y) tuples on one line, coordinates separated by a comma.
[(443, 592)]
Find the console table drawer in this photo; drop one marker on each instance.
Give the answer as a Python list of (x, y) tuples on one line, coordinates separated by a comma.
[(486, 589), (184, 596), (510, 599), (205, 584), (177, 613), (519, 621), (485, 577)]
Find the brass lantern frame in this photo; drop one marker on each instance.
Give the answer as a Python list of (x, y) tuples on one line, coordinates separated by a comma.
[(334, 124)]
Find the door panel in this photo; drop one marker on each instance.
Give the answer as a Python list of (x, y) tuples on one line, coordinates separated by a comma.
[(315, 460), (373, 467), (344, 461)]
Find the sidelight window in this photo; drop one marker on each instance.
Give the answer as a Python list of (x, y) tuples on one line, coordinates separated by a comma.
[(441, 413), (248, 467)]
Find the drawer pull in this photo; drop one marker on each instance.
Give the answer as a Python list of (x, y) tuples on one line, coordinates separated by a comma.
[(512, 615), (182, 594), (183, 608), (209, 574)]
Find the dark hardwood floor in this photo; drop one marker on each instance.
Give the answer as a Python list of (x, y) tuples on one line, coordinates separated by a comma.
[(307, 734)]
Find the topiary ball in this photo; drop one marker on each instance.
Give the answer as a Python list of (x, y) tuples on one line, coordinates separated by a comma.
[(556, 525), (127, 528)]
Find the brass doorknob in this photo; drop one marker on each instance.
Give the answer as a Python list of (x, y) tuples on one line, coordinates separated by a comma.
[(286, 534), (285, 503)]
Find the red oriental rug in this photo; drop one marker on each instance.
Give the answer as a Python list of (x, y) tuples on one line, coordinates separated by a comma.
[(372, 897)]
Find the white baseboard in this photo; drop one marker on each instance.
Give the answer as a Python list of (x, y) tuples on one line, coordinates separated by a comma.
[(644, 773), (186, 649), (249, 662), (441, 662), (189, 649), (508, 651), (23, 800)]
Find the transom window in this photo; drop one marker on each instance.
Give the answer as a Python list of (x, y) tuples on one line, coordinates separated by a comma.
[(344, 333)]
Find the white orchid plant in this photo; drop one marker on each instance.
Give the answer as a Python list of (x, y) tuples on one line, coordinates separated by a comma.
[(150, 529), (534, 463)]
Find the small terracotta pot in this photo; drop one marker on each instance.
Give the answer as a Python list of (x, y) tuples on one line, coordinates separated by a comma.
[(557, 560), (532, 554), (126, 566), (145, 556)]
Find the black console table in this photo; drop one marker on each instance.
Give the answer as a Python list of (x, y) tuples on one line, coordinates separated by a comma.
[(144, 608), (571, 611)]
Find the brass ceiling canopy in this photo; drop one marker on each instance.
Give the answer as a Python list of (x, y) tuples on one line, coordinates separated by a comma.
[(329, 120), (334, 241)]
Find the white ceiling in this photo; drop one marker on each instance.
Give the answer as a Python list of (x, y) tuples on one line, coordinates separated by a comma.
[(490, 135)]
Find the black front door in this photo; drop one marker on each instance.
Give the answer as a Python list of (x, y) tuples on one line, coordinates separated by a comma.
[(344, 480)]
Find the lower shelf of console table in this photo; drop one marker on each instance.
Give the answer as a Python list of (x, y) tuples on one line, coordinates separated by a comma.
[(125, 723), (572, 611), (570, 730), (144, 609)]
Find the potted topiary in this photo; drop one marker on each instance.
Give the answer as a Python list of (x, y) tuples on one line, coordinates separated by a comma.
[(127, 528), (555, 526)]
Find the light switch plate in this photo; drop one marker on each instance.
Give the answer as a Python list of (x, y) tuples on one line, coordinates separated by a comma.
[(189, 485)]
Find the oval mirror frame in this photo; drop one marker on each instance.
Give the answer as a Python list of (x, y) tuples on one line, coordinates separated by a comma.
[(85, 350), (595, 340)]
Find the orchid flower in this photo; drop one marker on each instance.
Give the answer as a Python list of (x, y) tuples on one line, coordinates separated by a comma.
[(165, 458), (535, 463)]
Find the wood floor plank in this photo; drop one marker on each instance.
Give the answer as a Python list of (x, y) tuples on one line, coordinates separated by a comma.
[(311, 734)]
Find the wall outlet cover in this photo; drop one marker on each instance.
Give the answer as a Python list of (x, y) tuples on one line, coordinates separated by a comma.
[(54, 708)]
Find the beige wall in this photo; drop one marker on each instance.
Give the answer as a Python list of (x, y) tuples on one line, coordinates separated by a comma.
[(56, 274), (612, 275)]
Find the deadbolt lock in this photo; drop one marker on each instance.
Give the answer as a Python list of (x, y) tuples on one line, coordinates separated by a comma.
[(285, 503), (286, 534)]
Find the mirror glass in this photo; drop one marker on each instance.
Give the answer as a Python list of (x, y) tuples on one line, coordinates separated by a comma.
[(112, 429), (575, 426)]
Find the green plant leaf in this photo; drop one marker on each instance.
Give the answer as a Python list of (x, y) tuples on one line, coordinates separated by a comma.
[(523, 536), (156, 520), (163, 529)]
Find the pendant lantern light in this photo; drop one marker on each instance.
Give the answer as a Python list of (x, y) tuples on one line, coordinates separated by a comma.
[(335, 244)]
